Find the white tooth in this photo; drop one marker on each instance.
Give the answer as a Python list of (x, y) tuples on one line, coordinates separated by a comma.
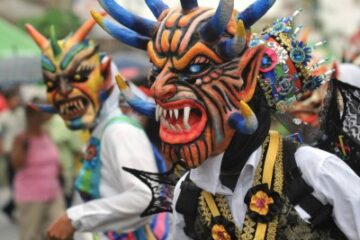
[(186, 115), (77, 104), (164, 113), (179, 128), (81, 104), (187, 126), (172, 128), (171, 113), (160, 111), (166, 124), (157, 112), (176, 113)]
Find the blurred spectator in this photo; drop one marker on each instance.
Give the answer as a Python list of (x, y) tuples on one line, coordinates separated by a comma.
[(37, 190), (135, 70), (70, 149), (11, 124), (3, 104), (352, 50)]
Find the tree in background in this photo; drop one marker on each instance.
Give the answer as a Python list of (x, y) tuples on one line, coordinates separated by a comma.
[(65, 21)]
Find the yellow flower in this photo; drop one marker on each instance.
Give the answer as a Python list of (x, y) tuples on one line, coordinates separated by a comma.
[(260, 203), (219, 233)]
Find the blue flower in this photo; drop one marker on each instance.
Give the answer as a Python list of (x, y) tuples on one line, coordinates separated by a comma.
[(300, 53)]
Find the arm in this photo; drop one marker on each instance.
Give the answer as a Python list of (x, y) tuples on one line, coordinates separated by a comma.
[(341, 187), (122, 145), (18, 152), (335, 183)]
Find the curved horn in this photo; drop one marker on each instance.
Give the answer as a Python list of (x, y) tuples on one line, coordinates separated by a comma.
[(122, 34), (216, 26), (188, 5), (255, 11), (233, 47), (157, 7), (38, 38), (142, 106), (138, 24), (244, 120), (84, 30), (54, 42)]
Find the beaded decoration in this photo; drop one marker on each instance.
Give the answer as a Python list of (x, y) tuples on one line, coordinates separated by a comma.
[(286, 72)]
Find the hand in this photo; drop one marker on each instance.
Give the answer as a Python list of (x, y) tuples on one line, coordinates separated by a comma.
[(62, 229)]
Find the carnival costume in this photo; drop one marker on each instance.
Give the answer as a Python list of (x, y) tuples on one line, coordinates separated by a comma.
[(80, 87), (340, 117), (215, 86)]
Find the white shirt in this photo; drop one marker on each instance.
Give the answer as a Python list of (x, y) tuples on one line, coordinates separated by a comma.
[(123, 196), (333, 182)]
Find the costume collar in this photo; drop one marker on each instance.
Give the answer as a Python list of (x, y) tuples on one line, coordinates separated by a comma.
[(207, 175)]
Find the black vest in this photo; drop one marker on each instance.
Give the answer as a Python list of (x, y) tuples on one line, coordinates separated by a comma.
[(288, 225)]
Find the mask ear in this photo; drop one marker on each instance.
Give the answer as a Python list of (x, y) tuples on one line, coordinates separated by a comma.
[(249, 70), (106, 71)]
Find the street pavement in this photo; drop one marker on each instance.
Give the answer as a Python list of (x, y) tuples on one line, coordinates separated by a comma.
[(8, 230)]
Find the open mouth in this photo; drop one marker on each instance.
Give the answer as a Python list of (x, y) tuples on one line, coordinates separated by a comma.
[(181, 121), (72, 108)]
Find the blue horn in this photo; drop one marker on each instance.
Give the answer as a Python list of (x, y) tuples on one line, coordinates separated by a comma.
[(255, 11), (233, 47), (138, 24), (188, 5), (216, 26), (122, 34), (157, 7)]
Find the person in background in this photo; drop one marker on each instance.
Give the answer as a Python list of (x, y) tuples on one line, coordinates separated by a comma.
[(70, 149), (12, 122), (135, 70), (37, 189), (80, 88)]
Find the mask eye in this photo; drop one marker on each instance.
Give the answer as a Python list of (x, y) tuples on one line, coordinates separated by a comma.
[(153, 73), (197, 68), (50, 85), (82, 74)]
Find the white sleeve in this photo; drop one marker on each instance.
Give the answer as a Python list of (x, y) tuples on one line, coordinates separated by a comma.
[(334, 182), (178, 219), (122, 145)]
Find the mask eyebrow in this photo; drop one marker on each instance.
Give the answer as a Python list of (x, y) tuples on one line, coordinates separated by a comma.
[(196, 50), (47, 64), (72, 53)]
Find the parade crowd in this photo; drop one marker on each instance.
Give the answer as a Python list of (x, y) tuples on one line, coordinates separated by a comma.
[(229, 133)]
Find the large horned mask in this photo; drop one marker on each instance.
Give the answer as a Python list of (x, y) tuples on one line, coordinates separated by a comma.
[(203, 75), (77, 77)]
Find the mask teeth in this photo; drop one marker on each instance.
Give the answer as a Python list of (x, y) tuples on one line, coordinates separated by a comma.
[(319, 44), (318, 64)]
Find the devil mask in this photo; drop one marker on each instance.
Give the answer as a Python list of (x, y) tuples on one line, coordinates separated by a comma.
[(76, 76), (201, 76)]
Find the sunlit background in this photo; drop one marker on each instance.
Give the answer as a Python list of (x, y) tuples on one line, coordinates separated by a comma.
[(334, 21)]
